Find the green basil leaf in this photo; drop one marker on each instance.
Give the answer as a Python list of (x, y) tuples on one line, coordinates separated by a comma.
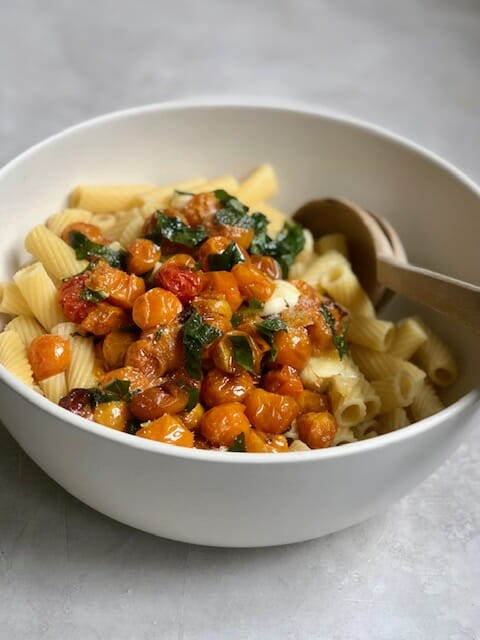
[(175, 230), (239, 443), (233, 213), (339, 340), (132, 426), (93, 296), (267, 328), (193, 397), (227, 259), (242, 352), (287, 245), (196, 335), (85, 249)]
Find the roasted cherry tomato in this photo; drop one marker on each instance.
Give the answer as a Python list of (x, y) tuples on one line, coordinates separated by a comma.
[(183, 282), (49, 355), (75, 308)]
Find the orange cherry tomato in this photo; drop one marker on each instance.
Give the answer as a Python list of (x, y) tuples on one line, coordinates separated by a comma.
[(49, 355), (91, 231), (219, 387), (283, 380), (168, 429), (115, 346), (103, 318), (259, 442), (224, 282), (156, 307), (123, 289), (267, 265), (310, 401), (294, 347), (201, 208), (252, 283), (317, 430), (270, 412), (142, 256), (220, 425), (156, 401), (138, 382), (112, 414)]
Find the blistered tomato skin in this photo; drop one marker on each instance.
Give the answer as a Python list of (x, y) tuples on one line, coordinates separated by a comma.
[(122, 288), (224, 282), (221, 424), (142, 256), (270, 412), (283, 380), (183, 282), (294, 347), (138, 381), (252, 283), (317, 430), (168, 429), (75, 309), (115, 346), (156, 401), (156, 307), (49, 355), (259, 442), (267, 265), (201, 208), (104, 318), (219, 387)]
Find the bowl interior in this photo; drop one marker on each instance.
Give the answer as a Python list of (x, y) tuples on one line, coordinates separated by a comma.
[(434, 209)]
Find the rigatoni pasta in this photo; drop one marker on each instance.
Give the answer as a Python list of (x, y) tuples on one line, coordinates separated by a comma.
[(197, 314)]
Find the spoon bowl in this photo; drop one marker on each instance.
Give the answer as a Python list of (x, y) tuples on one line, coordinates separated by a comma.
[(380, 261)]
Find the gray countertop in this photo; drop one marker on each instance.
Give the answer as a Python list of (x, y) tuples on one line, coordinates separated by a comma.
[(412, 573)]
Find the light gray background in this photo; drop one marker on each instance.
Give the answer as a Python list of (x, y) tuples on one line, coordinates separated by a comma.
[(410, 574)]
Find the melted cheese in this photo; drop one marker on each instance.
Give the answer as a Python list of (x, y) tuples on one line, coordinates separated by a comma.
[(284, 296)]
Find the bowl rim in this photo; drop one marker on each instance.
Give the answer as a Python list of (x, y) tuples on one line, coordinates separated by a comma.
[(466, 403)]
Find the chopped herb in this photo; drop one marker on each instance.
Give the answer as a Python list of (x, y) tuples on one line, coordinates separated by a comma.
[(339, 340), (116, 390), (233, 213), (242, 352), (158, 334), (227, 259), (175, 230), (132, 426), (196, 335), (193, 397), (261, 240), (253, 306), (267, 328), (239, 443), (287, 245), (183, 193), (93, 296), (85, 249)]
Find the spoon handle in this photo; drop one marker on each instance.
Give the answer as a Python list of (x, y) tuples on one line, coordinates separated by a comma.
[(457, 299)]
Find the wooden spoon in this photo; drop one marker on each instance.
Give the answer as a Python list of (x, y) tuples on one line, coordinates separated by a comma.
[(379, 260)]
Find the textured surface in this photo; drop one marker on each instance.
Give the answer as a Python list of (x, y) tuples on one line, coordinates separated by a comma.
[(410, 574)]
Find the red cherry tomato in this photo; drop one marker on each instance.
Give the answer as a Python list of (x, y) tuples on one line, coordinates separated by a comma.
[(184, 283), (75, 308)]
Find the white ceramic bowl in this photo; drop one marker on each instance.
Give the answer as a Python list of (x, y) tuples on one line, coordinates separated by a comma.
[(240, 499)]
